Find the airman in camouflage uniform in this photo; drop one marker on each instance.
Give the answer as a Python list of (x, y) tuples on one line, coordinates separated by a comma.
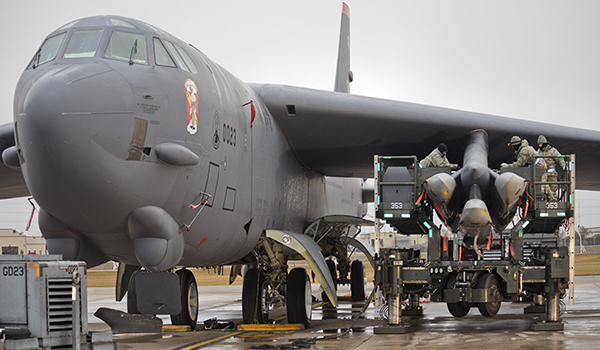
[(547, 149), (525, 155), (437, 158)]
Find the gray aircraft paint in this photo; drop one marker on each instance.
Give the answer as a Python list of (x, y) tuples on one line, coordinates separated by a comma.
[(88, 131), (366, 126)]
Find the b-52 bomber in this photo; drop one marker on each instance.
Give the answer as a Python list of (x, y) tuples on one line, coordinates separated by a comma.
[(141, 150)]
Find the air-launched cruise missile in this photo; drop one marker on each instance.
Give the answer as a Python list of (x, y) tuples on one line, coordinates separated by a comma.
[(476, 199)]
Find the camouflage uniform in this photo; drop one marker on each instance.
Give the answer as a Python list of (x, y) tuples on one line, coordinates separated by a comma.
[(437, 159), (525, 155), (548, 150)]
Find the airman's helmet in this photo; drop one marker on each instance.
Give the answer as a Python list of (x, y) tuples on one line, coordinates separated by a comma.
[(542, 139), (515, 140)]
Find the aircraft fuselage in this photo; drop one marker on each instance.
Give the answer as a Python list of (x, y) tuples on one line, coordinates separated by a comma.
[(118, 115)]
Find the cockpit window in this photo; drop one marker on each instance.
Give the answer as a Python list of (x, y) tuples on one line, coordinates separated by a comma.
[(126, 46), (187, 59), (161, 56), (178, 58), (48, 51), (83, 43), (183, 59)]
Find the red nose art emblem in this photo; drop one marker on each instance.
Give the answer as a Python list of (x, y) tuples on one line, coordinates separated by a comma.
[(191, 92)]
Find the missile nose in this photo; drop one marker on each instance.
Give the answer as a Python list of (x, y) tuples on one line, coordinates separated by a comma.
[(475, 217), (440, 187)]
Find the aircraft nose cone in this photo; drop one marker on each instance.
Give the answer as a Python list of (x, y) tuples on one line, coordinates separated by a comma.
[(63, 132)]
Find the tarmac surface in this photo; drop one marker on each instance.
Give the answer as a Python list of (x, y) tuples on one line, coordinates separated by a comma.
[(437, 329)]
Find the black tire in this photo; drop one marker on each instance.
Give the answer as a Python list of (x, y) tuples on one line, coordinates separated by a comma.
[(460, 309), (333, 273), (299, 297), (254, 297), (357, 280), (189, 300), (491, 308), (132, 307)]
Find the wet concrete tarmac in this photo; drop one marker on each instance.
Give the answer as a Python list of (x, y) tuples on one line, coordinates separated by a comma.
[(436, 329)]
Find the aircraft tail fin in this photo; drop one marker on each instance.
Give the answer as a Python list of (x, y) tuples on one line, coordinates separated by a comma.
[(344, 75)]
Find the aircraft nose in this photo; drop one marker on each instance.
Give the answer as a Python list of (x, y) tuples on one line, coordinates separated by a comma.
[(69, 140)]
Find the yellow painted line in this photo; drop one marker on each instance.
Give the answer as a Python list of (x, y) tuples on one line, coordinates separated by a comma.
[(208, 342), (258, 336), (174, 328), (270, 327)]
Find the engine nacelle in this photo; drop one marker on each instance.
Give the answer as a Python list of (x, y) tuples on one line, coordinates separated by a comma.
[(157, 243), (61, 239)]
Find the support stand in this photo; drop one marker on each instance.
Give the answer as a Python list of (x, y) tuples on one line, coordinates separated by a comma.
[(556, 270), (414, 307), (392, 286), (538, 306)]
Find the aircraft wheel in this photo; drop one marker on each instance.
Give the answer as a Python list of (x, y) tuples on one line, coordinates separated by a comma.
[(460, 309), (299, 297), (254, 297), (189, 300), (333, 273), (132, 307), (357, 280), (491, 308)]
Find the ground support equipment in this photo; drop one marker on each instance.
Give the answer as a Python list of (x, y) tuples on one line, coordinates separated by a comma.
[(532, 259)]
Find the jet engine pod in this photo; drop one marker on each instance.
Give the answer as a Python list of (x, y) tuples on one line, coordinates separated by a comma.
[(157, 243), (475, 218), (10, 157), (440, 187), (509, 187)]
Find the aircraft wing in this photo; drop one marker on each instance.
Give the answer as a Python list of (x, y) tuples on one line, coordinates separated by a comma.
[(337, 134), (12, 183)]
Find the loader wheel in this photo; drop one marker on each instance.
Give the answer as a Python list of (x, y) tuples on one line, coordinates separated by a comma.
[(491, 308)]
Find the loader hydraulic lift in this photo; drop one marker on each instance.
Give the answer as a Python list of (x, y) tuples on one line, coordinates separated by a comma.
[(531, 259)]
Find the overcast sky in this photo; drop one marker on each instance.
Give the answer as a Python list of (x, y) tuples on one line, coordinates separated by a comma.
[(536, 60)]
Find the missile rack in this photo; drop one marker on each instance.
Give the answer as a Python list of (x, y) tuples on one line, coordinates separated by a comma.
[(532, 260)]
